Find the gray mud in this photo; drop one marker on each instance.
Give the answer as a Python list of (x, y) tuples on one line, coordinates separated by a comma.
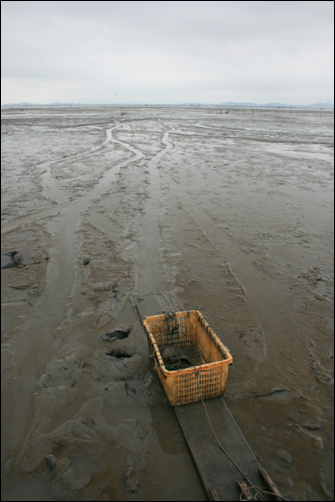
[(230, 214)]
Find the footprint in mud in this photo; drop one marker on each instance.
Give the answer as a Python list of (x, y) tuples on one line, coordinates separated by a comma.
[(119, 354), (118, 334), (11, 259)]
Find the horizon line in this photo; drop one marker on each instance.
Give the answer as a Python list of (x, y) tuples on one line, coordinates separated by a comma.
[(228, 103)]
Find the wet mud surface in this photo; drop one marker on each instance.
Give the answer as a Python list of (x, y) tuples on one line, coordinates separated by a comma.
[(227, 213)]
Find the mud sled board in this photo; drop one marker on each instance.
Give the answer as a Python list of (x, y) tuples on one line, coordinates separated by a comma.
[(221, 479)]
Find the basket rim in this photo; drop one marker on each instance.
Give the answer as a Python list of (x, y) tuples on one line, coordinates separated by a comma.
[(192, 369)]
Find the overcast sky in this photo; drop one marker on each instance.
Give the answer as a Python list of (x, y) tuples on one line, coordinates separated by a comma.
[(167, 52)]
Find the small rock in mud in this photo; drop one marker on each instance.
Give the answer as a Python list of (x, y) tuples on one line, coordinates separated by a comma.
[(52, 463), (85, 260), (131, 480), (45, 382), (11, 259)]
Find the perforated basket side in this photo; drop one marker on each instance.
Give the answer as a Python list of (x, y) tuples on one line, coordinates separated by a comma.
[(170, 329), (205, 380), (205, 334), (205, 383)]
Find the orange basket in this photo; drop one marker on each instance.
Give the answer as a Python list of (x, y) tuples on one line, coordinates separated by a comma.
[(206, 375)]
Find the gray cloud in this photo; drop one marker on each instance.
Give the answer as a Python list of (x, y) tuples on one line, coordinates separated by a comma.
[(167, 52)]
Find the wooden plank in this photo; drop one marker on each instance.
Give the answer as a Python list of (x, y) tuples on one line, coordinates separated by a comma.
[(215, 468), (246, 494), (213, 494), (271, 485)]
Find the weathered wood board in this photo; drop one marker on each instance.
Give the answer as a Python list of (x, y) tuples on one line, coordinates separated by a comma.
[(215, 468)]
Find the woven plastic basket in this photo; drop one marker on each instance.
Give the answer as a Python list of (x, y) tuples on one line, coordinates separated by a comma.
[(206, 376)]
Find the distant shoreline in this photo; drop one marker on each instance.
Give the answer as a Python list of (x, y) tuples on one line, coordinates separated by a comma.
[(318, 106)]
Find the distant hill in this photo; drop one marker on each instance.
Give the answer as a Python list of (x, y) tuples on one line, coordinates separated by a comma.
[(278, 105), (232, 103), (26, 103)]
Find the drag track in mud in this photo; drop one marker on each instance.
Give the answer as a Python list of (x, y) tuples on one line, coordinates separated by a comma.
[(187, 208)]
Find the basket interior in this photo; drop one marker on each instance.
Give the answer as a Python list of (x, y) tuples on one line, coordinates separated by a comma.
[(184, 330), (180, 357)]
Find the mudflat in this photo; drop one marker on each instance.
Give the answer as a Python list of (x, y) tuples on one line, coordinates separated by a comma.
[(227, 211)]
